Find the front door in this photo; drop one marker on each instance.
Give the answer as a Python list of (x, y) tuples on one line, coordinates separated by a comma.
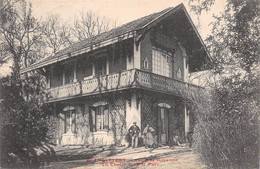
[(163, 125)]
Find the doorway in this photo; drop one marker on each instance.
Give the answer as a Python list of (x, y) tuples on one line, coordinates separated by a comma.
[(163, 125)]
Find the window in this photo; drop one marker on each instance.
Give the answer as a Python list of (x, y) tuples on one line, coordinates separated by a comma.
[(68, 74), (100, 67), (162, 63), (87, 70), (99, 118), (69, 122), (179, 73), (146, 64), (56, 79)]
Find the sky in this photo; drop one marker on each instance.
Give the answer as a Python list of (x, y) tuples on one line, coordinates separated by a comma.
[(122, 11)]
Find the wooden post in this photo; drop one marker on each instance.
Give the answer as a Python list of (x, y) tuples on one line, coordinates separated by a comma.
[(63, 77), (49, 77), (137, 56), (133, 113), (186, 119), (107, 66), (75, 71)]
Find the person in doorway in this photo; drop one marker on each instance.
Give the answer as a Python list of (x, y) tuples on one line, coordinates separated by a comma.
[(189, 138), (175, 142), (134, 131)]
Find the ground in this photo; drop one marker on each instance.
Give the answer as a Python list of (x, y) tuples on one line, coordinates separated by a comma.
[(121, 158)]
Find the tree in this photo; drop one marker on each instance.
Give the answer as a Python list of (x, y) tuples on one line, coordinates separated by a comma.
[(57, 35), (89, 25), (20, 34), (23, 114), (235, 33), (227, 129), (23, 125)]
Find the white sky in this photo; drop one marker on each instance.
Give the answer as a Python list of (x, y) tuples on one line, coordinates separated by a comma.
[(122, 11)]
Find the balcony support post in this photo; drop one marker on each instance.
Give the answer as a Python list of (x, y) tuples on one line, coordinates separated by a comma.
[(75, 71), (137, 57), (133, 111), (50, 77), (186, 120)]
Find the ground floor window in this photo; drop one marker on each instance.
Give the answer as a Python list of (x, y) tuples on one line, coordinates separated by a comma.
[(99, 118), (69, 120)]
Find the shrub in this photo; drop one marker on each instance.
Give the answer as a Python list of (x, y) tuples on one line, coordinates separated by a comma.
[(227, 131), (23, 126)]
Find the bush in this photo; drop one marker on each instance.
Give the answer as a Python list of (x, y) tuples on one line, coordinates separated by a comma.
[(227, 131), (23, 126)]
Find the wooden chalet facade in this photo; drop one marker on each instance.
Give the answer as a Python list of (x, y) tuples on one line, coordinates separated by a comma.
[(136, 72)]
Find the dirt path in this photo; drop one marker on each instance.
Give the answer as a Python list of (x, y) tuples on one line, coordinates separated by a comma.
[(183, 160), (141, 158)]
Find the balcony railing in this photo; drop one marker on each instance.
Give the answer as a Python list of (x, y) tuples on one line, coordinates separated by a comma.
[(134, 78)]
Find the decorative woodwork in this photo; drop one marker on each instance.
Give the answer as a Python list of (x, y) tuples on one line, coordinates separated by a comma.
[(133, 78)]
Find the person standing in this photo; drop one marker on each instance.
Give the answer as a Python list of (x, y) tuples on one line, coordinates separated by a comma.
[(148, 136), (134, 131)]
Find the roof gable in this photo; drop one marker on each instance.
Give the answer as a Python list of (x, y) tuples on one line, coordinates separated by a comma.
[(125, 31)]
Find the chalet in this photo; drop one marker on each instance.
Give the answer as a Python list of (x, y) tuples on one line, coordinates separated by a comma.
[(135, 72)]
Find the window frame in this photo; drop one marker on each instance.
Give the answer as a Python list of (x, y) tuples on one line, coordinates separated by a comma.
[(68, 113), (100, 66), (103, 112), (161, 62), (68, 74)]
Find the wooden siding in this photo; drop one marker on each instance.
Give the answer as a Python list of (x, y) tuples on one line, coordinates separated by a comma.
[(159, 39)]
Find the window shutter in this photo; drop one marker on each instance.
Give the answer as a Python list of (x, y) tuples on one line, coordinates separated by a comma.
[(92, 119), (73, 127), (106, 118), (159, 124), (62, 123)]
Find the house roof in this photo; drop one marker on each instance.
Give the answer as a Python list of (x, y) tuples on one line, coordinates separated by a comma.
[(125, 31)]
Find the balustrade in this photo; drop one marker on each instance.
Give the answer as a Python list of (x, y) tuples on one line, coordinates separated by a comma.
[(166, 84), (67, 90), (126, 79)]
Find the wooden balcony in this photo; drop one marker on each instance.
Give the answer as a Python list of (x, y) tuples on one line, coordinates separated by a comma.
[(134, 78)]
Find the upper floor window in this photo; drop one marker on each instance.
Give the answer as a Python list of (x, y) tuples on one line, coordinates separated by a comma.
[(56, 78), (100, 67), (146, 64), (178, 73), (162, 63), (68, 72)]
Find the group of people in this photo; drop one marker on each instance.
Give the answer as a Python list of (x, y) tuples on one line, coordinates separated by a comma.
[(148, 138)]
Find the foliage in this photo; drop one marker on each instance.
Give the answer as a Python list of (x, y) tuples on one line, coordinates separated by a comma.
[(227, 130), (23, 125), (24, 39)]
